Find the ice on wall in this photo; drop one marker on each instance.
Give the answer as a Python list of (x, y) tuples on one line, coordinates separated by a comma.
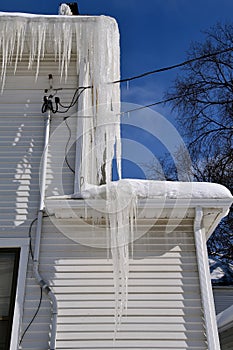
[(95, 44)]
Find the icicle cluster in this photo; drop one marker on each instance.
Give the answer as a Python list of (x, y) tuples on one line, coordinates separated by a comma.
[(122, 204), (94, 41), (95, 44)]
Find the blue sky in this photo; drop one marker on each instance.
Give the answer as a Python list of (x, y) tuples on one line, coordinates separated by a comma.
[(154, 33)]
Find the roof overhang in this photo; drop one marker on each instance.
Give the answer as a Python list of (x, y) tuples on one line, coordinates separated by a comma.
[(147, 209)]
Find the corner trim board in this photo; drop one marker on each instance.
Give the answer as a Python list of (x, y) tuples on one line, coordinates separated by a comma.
[(205, 282)]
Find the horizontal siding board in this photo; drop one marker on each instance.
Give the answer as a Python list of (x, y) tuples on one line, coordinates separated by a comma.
[(188, 320), (129, 327), (165, 335), (159, 344), (82, 277), (131, 312)]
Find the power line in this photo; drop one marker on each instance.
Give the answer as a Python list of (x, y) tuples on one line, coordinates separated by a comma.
[(164, 69), (160, 102), (150, 105)]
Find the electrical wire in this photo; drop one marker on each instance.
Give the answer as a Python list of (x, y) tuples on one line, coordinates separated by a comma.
[(150, 105), (33, 318), (30, 236), (159, 102), (68, 141), (164, 69), (73, 101), (48, 104), (32, 256)]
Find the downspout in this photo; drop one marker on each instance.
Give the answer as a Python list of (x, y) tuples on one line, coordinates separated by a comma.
[(205, 282), (36, 259)]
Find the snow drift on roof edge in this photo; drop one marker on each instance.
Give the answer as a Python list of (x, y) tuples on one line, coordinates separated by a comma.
[(157, 189)]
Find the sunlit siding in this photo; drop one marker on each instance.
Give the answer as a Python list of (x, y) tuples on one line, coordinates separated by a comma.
[(21, 148), (164, 308), (21, 144)]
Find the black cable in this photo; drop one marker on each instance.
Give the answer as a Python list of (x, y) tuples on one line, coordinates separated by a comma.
[(150, 105), (32, 255), (33, 318), (30, 236), (164, 69), (48, 104), (73, 101), (160, 102), (70, 134)]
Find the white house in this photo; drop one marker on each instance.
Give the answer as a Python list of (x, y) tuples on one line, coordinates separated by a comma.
[(117, 266)]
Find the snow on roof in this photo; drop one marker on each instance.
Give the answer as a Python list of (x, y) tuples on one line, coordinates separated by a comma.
[(32, 15), (158, 189)]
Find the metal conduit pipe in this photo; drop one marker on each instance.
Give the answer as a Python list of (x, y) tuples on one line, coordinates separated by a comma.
[(36, 259), (205, 282)]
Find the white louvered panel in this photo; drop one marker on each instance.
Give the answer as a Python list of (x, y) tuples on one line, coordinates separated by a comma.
[(164, 308)]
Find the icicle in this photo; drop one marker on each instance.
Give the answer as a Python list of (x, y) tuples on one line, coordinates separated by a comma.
[(67, 45), (21, 28), (122, 203), (41, 34)]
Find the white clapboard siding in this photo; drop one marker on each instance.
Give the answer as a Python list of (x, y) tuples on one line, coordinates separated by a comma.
[(22, 141), (21, 148), (164, 306)]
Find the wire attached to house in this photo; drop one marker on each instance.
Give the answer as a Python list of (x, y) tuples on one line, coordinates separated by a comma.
[(30, 237), (164, 69), (66, 147), (33, 318), (74, 100), (32, 256), (48, 103)]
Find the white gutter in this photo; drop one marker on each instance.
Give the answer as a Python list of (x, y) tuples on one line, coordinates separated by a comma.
[(205, 282), (36, 258)]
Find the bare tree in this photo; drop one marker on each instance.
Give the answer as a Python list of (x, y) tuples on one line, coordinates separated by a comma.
[(202, 97), (204, 94)]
